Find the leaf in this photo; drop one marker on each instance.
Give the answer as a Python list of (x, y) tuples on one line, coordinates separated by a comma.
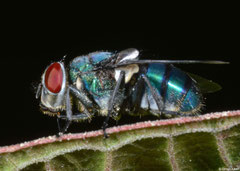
[(206, 142)]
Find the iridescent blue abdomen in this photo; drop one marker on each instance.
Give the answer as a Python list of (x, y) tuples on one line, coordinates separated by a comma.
[(178, 92)]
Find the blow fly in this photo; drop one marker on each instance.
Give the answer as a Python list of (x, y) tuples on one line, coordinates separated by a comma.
[(110, 84)]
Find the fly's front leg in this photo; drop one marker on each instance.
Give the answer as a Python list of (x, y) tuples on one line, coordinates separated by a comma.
[(82, 97), (111, 102), (85, 102), (68, 114)]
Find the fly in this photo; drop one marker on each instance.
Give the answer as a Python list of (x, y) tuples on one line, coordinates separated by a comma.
[(110, 84)]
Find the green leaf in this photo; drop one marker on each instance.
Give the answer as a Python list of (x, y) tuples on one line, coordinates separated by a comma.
[(207, 142)]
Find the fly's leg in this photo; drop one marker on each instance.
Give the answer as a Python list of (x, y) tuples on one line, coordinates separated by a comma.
[(68, 114), (76, 117), (79, 116), (111, 102), (69, 117), (156, 96), (83, 97), (85, 101), (62, 130)]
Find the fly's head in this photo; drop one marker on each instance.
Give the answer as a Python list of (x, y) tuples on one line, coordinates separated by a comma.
[(52, 89)]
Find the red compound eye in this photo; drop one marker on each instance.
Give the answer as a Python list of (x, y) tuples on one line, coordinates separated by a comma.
[(54, 78)]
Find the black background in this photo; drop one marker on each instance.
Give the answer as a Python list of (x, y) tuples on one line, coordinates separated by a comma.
[(27, 49)]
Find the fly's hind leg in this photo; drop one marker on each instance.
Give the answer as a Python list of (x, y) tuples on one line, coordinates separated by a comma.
[(111, 102), (156, 96), (158, 100)]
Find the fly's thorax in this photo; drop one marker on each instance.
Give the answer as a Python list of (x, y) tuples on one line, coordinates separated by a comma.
[(85, 64), (54, 87)]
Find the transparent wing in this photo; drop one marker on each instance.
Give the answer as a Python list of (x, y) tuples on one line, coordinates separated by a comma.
[(170, 62), (205, 85)]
